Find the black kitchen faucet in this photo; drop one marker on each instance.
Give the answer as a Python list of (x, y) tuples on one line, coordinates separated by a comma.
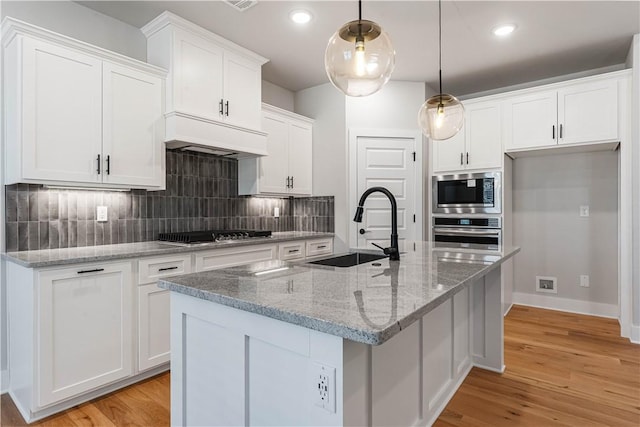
[(392, 251)]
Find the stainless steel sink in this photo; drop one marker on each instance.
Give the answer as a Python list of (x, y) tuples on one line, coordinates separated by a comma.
[(349, 260)]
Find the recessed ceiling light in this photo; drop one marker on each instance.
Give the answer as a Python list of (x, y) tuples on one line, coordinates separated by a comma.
[(300, 16), (503, 30)]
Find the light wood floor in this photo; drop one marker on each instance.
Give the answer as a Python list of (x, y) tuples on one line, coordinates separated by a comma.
[(562, 370)]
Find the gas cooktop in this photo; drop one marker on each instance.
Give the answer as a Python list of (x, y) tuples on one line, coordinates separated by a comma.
[(207, 236)]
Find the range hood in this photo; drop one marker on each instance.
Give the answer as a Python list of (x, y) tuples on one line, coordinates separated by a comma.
[(194, 133), (213, 89)]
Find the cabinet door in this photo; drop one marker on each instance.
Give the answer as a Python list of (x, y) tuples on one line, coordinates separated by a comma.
[(153, 326), (84, 329), (588, 112), (531, 121), (300, 161), (61, 113), (133, 127), (484, 135), (448, 155), (243, 91), (198, 76), (274, 167)]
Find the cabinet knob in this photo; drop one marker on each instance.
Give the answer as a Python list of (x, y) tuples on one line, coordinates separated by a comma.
[(362, 231)]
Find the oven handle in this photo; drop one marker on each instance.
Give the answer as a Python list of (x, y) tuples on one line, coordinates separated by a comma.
[(457, 232)]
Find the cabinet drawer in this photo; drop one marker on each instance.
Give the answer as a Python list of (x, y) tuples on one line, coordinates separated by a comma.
[(152, 269), (231, 257), (291, 250), (319, 247)]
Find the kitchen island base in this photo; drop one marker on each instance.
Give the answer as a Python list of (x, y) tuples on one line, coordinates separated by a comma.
[(234, 367)]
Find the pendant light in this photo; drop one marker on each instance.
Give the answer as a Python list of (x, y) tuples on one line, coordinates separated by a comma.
[(359, 58), (442, 115)]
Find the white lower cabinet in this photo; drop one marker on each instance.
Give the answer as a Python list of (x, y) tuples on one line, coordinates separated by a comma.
[(221, 258), (319, 247), (84, 329), (291, 251), (154, 308)]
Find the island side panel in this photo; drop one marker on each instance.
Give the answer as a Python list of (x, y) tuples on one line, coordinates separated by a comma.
[(409, 379), (488, 322), (232, 367)]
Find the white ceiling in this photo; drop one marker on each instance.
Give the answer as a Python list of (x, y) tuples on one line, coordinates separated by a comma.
[(553, 37)]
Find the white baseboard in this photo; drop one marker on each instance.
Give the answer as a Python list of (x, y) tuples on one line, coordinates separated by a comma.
[(507, 310), (452, 391), (635, 334), (566, 304), (4, 381)]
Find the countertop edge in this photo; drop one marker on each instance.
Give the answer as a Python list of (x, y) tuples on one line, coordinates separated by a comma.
[(372, 337), (167, 250)]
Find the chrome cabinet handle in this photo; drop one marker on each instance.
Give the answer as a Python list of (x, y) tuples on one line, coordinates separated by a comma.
[(293, 251), (168, 268), (553, 132), (322, 247), (98, 164), (108, 165), (221, 110), (226, 104)]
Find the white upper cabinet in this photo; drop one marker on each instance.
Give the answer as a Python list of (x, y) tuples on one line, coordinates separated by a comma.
[(214, 87), (577, 112), (287, 169), (77, 115), (478, 145), (132, 127)]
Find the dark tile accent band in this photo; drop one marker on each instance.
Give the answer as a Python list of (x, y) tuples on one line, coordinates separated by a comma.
[(202, 193)]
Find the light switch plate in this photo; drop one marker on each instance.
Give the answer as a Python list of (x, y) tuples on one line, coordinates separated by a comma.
[(101, 213)]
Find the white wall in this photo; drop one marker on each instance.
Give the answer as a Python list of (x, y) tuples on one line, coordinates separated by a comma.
[(633, 60), (327, 106), (277, 96), (395, 106), (547, 194), (82, 23)]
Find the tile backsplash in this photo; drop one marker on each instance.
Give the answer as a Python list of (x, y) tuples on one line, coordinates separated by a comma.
[(202, 193)]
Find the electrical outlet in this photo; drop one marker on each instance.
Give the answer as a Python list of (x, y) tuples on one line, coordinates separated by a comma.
[(276, 212), (324, 384), (101, 213), (584, 281), (547, 284), (584, 210)]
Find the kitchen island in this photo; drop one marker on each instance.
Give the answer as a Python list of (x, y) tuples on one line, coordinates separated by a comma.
[(381, 343)]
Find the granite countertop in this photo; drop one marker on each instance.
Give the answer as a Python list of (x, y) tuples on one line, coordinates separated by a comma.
[(369, 303), (55, 257)]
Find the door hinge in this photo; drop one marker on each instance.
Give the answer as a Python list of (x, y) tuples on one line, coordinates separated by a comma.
[(414, 156), (414, 217)]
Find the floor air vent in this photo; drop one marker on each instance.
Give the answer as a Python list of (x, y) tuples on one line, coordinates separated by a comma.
[(241, 5)]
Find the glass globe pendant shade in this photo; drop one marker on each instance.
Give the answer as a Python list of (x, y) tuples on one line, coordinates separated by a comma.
[(441, 117), (359, 58)]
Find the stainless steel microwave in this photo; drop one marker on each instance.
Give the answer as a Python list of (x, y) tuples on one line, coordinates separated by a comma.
[(467, 193)]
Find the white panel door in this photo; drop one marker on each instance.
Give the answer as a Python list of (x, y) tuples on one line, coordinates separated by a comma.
[(274, 166), (386, 162), (61, 112), (483, 135), (300, 163), (84, 329), (242, 90), (154, 346), (448, 155), (588, 112), (198, 79), (531, 120), (133, 127)]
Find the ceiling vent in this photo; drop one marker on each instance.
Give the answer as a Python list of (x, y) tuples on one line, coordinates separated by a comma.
[(241, 5)]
